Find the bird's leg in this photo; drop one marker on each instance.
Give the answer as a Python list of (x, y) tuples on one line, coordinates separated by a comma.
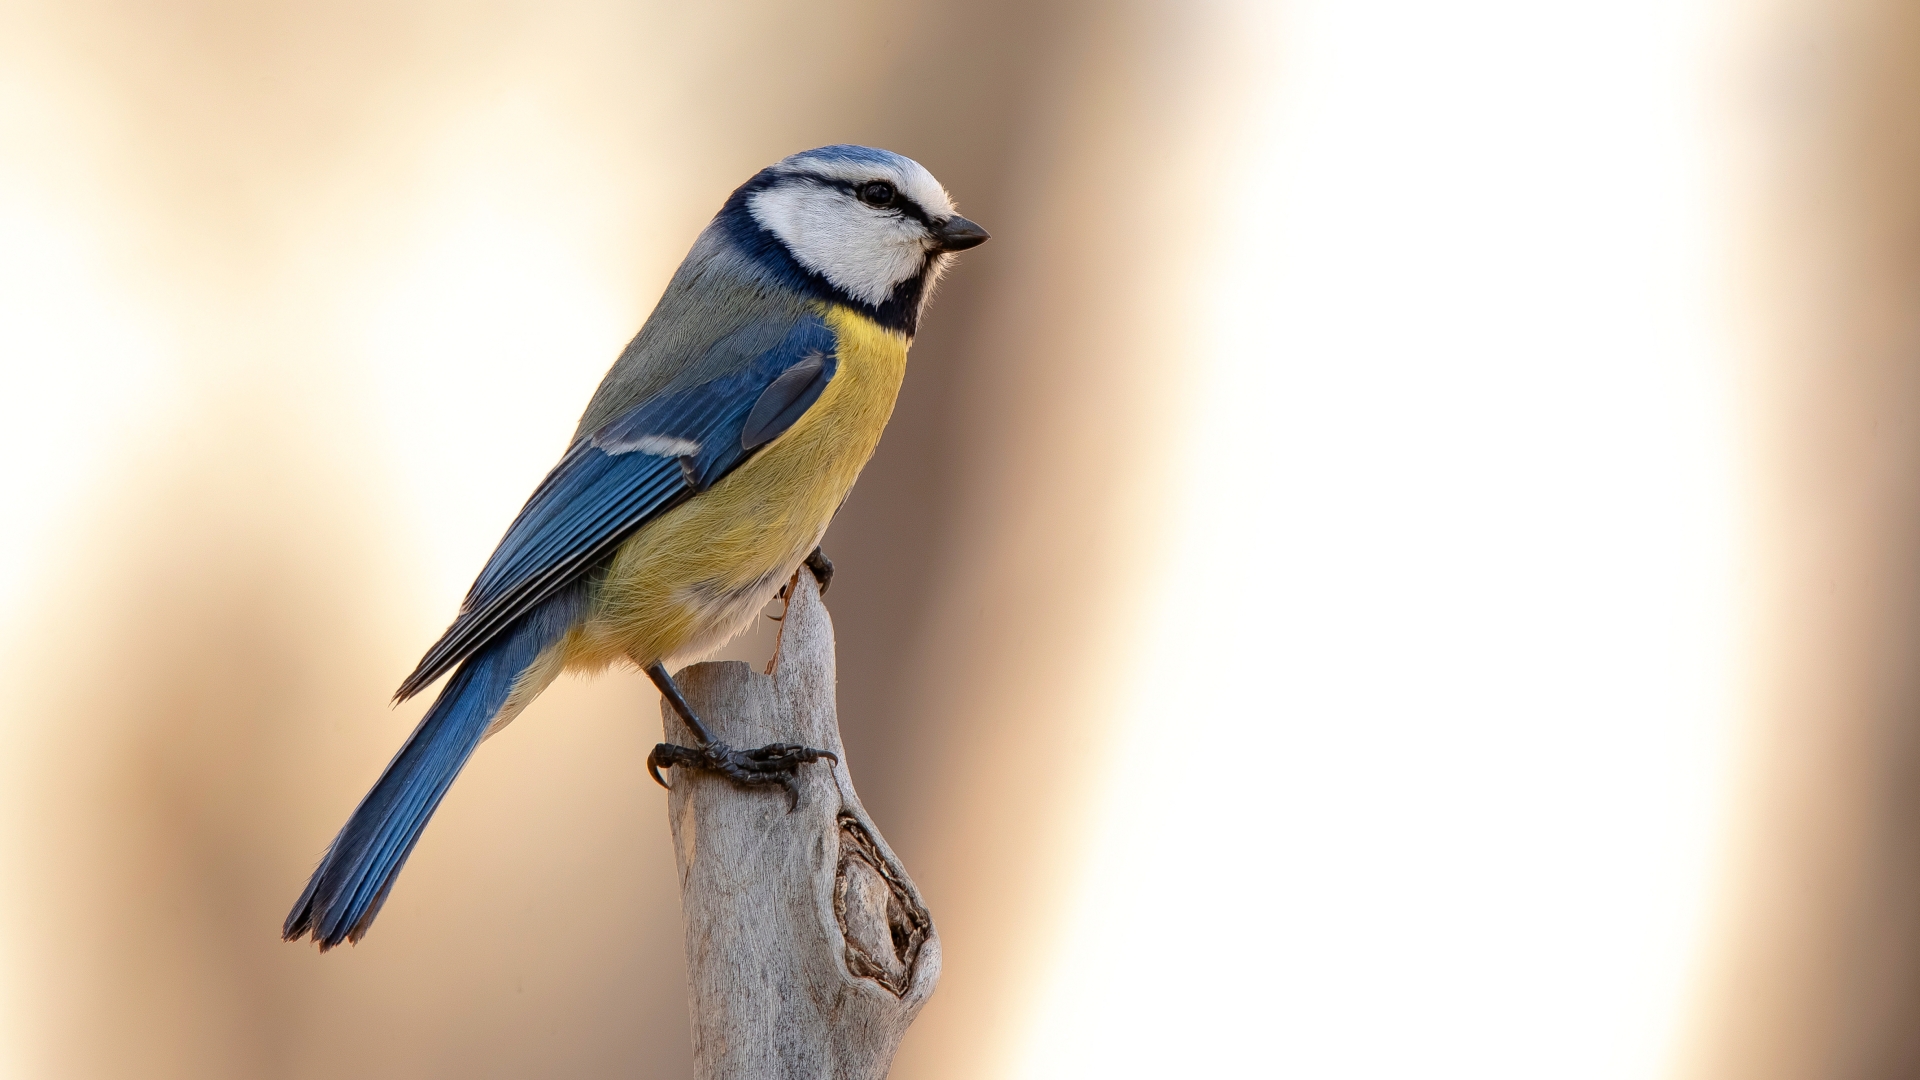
[(778, 763)]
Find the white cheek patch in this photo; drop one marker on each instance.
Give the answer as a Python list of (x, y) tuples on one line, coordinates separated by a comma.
[(864, 251)]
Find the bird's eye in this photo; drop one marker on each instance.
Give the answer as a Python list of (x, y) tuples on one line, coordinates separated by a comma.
[(877, 193)]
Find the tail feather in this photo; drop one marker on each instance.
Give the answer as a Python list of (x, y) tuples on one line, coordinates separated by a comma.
[(354, 877)]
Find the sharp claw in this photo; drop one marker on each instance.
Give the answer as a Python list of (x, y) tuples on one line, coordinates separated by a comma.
[(822, 568), (778, 763)]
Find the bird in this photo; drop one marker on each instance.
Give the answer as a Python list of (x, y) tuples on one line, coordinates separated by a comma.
[(701, 478)]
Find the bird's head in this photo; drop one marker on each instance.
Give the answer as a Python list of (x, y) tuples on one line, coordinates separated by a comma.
[(876, 226)]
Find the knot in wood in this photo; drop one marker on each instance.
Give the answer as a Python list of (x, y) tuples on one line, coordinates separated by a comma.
[(882, 923)]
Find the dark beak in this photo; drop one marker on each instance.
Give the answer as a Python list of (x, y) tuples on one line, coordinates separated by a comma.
[(958, 234)]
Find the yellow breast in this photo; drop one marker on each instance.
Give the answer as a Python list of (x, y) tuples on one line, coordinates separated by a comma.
[(694, 577)]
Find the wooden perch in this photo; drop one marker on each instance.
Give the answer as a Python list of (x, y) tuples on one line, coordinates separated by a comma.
[(808, 949)]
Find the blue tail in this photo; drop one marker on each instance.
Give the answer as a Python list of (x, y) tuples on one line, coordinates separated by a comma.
[(354, 877)]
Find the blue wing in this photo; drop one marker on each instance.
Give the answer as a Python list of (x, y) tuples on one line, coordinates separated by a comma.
[(632, 469)]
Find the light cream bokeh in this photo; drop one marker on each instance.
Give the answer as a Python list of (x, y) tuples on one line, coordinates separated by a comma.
[(1457, 538)]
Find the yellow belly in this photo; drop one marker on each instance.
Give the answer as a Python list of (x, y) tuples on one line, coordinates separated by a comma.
[(691, 579)]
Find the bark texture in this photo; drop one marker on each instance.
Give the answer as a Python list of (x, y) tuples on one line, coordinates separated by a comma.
[(809, 950)]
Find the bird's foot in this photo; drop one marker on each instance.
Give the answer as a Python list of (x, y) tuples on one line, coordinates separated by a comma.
[(778, 763), (822, 568)]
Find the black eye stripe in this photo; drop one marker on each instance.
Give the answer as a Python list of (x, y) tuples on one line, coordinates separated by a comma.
[(902, 203)]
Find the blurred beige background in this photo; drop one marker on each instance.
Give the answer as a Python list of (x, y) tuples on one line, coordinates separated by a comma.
[(1817, 971), (1396, 560), (318, 292)]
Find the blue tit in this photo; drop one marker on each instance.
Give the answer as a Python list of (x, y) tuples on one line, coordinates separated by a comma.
[(702, 476)]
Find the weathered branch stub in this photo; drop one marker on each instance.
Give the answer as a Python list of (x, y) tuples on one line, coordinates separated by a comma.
[(809, 950)]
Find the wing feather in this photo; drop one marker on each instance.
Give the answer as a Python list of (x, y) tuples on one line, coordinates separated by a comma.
[(608, 485)]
